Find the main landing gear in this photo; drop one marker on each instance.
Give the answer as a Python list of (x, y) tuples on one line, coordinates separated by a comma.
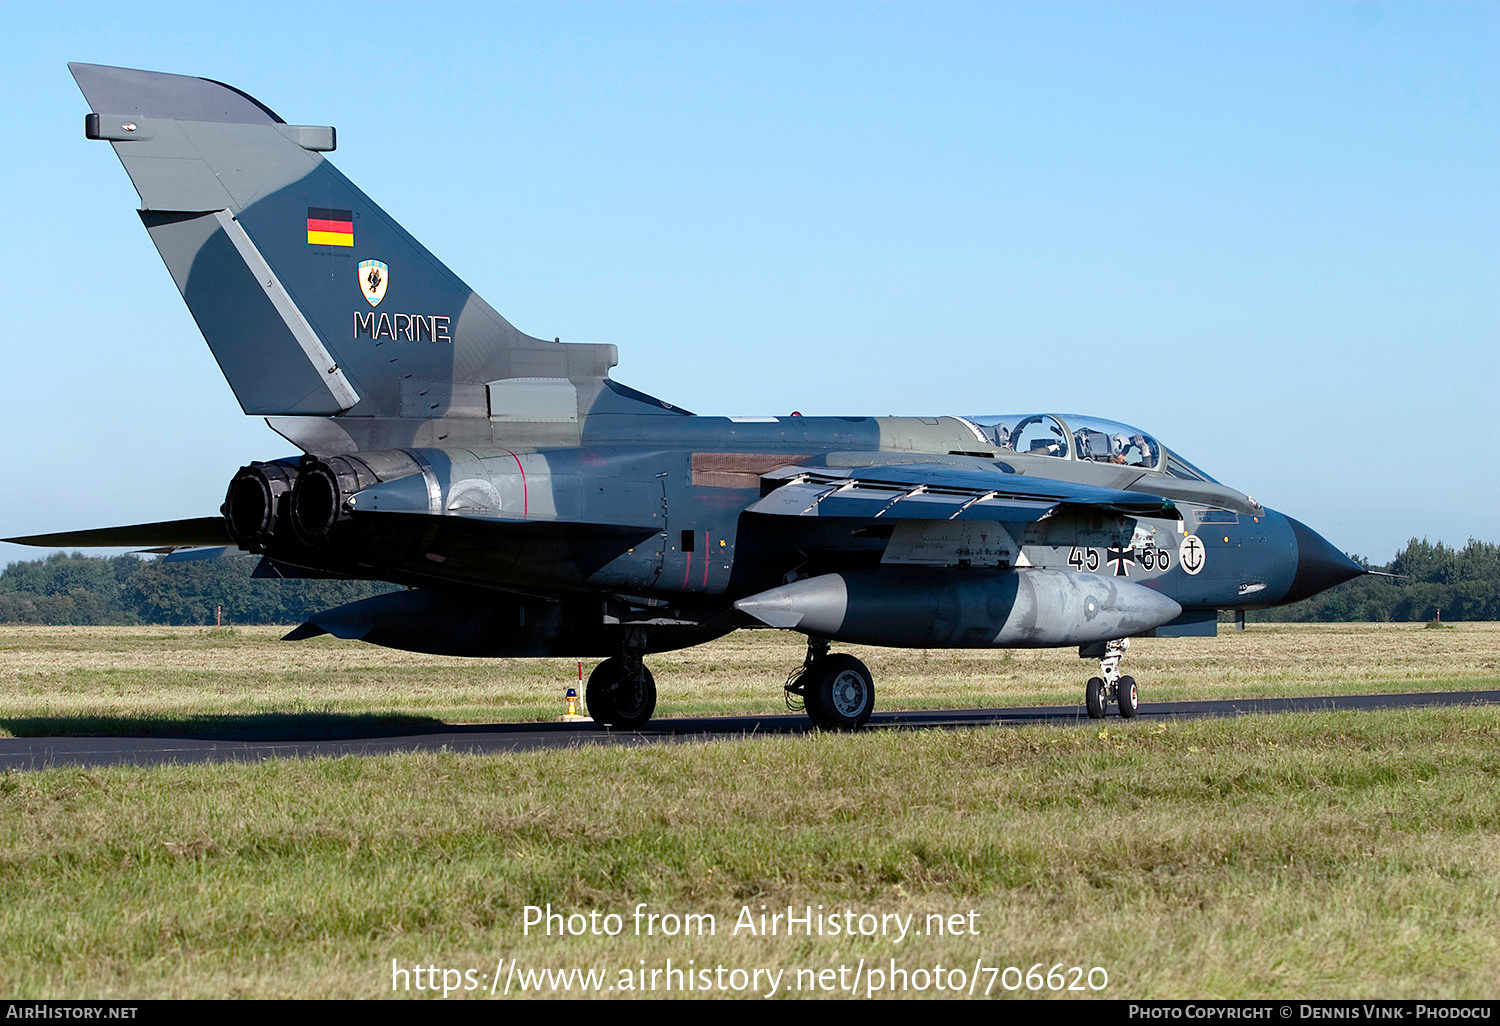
[(1109, 686), (836, 691), (621, 692)]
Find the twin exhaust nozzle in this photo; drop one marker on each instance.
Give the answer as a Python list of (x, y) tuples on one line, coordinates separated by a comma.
[(290, 503)]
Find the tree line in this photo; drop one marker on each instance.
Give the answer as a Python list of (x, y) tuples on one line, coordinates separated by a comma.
[(63, 588), (76, 589), (1436, 581)]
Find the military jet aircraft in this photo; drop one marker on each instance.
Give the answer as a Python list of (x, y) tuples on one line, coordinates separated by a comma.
[(531, 505)]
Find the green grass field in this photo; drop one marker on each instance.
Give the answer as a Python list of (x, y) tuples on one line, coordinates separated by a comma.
[(60, 680), (1317, 855)]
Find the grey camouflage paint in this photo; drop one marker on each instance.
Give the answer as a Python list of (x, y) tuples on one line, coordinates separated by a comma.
[(539, 507)]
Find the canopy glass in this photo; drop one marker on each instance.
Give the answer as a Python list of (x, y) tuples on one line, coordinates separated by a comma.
[(1072, 436)]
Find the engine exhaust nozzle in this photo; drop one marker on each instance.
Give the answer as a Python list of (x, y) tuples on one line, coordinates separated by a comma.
[(252, 506)]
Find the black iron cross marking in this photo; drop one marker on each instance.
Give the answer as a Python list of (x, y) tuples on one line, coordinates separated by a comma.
[(1121, 557)]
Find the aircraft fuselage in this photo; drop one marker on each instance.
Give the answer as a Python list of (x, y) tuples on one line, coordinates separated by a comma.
[(664, 514)]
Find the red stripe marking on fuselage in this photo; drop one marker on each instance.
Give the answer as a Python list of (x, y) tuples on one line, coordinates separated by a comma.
[(524, 500), (316, 224)]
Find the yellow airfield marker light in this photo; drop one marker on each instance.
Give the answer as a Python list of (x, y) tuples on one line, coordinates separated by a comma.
[(571, 694)]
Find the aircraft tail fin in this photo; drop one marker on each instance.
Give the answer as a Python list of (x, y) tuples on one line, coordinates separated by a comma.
[(313, 299)]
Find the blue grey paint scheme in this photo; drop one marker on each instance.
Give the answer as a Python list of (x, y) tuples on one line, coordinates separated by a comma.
[(537, 507)]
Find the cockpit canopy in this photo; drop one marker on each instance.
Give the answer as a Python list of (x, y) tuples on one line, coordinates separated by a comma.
[(1092, 439)]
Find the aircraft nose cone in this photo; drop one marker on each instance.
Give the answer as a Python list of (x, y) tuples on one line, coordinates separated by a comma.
[(1319, 565)]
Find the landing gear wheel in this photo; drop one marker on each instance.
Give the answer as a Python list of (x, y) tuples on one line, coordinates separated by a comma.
[(1110, 685), (839, 693), (1128, 698), (1094, 696), (617, 698)]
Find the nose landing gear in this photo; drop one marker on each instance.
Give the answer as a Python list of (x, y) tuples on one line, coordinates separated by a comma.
[(1110, 686)]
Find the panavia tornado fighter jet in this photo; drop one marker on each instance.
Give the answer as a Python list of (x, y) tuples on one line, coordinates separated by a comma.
[(533, 506)]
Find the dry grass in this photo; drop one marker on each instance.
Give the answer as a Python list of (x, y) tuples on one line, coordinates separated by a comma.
[(57, 679), (1293, 856), (1274, 857)]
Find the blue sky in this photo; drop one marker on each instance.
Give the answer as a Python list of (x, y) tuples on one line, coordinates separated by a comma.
[(1266, 233)]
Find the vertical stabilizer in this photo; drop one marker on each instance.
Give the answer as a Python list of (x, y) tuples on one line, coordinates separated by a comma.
[(313, 300)]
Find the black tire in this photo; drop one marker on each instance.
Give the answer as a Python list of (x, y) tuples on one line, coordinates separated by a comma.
[(614, 700), (839, 693), (1094, 697), (1129, 699)]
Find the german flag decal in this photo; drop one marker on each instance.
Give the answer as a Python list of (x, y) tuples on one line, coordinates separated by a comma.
[(327, 227)]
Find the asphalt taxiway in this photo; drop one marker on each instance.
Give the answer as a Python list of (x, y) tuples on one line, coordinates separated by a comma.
[(31, 753)]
